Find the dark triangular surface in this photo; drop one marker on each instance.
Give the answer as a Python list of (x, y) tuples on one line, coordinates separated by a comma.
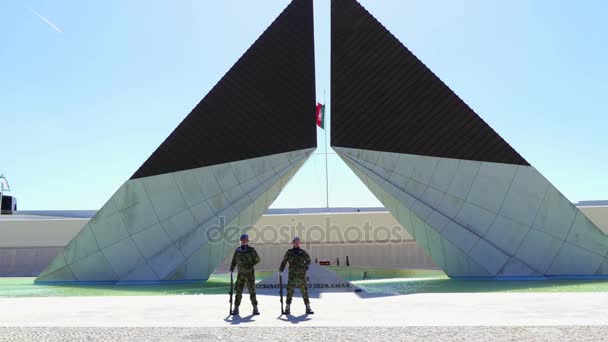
[(385, 99), (264, 105)]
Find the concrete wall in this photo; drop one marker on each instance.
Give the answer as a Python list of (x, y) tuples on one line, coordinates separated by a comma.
[(598, 215), (370, 239), (28, 244)]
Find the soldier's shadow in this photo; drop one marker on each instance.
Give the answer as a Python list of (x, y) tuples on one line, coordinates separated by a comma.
[(234, 320), (294, 319)]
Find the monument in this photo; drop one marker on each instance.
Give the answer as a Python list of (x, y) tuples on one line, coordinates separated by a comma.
[(466, 196), (220, 168)]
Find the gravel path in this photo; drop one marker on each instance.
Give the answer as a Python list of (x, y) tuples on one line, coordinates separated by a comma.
[(368, 334)]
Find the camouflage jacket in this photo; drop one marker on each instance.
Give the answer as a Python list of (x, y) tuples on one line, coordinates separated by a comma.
[(245, 258), (298, 261)]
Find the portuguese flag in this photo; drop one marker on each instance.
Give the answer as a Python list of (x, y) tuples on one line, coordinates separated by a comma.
[(321, 115)]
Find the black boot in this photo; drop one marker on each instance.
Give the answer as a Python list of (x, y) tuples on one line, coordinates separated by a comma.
[(255, 310), (287, 311), (309, 310), (235, 311)]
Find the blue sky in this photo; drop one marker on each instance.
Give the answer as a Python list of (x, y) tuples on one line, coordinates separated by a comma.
[(88, 90)]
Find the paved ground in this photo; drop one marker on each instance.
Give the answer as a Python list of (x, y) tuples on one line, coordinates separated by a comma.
[(339, 317), (332, 309), (368, 334)]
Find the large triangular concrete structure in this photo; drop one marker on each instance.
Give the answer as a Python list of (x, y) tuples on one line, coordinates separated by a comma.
[(467, 197), (183, 210)]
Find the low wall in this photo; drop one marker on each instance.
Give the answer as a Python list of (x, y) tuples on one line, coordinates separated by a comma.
[(369, 239), (597, 215), (28, 244)]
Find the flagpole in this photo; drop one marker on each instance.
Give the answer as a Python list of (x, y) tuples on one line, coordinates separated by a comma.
[(326, 168)]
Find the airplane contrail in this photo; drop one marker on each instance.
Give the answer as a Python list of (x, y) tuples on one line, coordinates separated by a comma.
[(47, 21)]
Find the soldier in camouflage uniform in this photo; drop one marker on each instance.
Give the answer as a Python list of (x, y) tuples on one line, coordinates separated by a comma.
[(245, 257), (298, 261)]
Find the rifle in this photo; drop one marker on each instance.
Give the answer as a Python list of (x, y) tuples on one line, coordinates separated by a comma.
[(281, 292), (230, 292)]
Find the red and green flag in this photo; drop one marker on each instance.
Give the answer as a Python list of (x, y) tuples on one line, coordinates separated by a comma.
[(321, 115)]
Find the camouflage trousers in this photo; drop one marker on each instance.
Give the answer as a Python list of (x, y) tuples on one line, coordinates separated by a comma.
[(243, 279), (297, 280)]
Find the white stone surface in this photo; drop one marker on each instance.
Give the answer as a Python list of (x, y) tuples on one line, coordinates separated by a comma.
[(224, 176), (169, 203), (488, 257), (491, 185), (189, 187), (475, 219), (242, 172), (492, 219), (437, 220), (506, 234), (538, 250), (108, 229), (573, 260), (476, 270), (196, 269), (555, 215), (139, 217), (180, 225), (131, 193), (56, 264), (444, 174), (525, 195), (331, 309), (450, 206), (62, 274), (164, 262), (398, 180), (405, 165), (82, 246), (123, 256), (153, 226), (586, 235), (435, 247), (516, 268), (456, 262), (151, 241), (420, 209), (93, 268), (424, 168), (432, 197), (464, 178), (386, 163), (202, 212), (205, 176), (141, 271), (415, 188), (419, 229), (459, 236), (603, 269)]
